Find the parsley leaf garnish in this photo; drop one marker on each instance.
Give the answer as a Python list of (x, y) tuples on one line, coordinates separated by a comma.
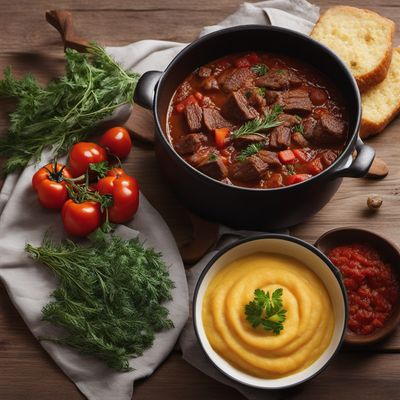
[(259, 69), (261, 91), (267, 311), (212, 157), (259, 125)]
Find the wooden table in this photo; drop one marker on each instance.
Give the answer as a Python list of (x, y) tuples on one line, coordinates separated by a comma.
[(29, 44)]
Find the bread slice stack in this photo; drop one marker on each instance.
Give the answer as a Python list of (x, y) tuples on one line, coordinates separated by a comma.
[(364, 41)]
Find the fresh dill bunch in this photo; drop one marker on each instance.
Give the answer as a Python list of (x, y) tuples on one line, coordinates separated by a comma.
[(109, 298), (250, 150), (259, 125), (65, 111)]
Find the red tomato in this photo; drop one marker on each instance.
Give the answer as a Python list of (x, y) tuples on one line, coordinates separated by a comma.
[(116, 172), (80, 219), (125, 192), (117, 141), (50, 185), (82, 154)]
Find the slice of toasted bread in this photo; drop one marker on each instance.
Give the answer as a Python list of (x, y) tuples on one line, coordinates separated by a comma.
[(381, 103), (361, 38)]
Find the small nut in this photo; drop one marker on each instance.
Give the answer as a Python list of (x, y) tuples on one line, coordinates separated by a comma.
[(374, 202)]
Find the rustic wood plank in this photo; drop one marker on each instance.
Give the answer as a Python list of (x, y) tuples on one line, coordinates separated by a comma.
[(29, 44)]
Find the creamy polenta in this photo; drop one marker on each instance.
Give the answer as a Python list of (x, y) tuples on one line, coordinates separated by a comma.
[(309, 320)]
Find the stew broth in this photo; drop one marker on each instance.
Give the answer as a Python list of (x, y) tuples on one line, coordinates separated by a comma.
[(258, 120)]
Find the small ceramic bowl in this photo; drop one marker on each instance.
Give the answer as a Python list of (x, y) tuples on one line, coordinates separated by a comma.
[(289, 246), (388, 251)]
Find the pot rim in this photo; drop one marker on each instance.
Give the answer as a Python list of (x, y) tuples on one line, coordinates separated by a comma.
[(279, 236), (343, 157)]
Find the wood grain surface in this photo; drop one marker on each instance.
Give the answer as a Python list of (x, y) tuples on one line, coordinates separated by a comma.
[(29, 44)]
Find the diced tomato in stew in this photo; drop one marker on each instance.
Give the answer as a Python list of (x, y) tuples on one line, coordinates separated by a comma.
[(232, 101), (180, 107), (297, 178)]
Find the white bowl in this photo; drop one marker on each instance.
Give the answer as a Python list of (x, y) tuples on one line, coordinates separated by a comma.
[(289, 246)]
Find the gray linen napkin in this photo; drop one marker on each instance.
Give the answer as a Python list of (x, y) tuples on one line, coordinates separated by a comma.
[(22, 220)]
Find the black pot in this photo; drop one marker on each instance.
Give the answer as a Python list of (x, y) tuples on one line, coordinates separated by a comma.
[(239, 207)]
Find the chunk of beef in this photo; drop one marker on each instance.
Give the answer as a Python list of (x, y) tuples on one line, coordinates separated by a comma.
[(194, 117), (243, 141), (328, 157), (280, 137), (269, 157), (235, 79), (183, 91), (297, 101), (238, 109), (271, 96), (214, 168), (278, 79), (329, 129), (299, 139), (213, 119), (204, 72), (309, 125), (201, 155), (251, 169), (210, 83), (288, 120), (254, 98), (190, 143), (274, 181)]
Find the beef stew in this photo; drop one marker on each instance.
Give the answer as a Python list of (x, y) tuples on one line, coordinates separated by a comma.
[(258, 120)]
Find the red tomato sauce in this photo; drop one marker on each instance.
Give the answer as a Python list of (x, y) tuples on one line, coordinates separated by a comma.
[(371, 284)]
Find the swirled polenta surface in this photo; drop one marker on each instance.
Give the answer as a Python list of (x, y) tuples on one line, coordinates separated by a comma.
[(309, 319)]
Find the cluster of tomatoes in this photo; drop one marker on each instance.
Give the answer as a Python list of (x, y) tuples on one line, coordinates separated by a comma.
[(89, 190)]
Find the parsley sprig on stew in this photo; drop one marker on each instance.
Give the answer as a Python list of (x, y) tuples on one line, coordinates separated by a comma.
[(259, 125), (259, 69), (267, 311)]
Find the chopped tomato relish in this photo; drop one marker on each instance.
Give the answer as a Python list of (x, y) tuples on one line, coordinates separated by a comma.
[(371, 284)]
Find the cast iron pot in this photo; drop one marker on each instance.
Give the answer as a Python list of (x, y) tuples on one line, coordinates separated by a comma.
[(239, 207)]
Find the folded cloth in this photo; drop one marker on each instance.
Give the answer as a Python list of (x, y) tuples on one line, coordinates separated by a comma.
[(22, 220)]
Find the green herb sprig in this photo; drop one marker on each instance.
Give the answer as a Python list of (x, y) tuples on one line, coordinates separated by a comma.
[(259, 69), (109, 298), (65, 111), (250, 150), (259, 125), (267, 311)]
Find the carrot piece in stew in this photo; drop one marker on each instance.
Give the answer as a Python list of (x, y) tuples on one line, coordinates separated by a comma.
[(221, 134), (297, 178), (315, 166), (287, 157), (301, 155)]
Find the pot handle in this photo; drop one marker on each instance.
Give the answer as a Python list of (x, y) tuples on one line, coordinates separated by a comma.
[(360, 165), (145, 88)]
